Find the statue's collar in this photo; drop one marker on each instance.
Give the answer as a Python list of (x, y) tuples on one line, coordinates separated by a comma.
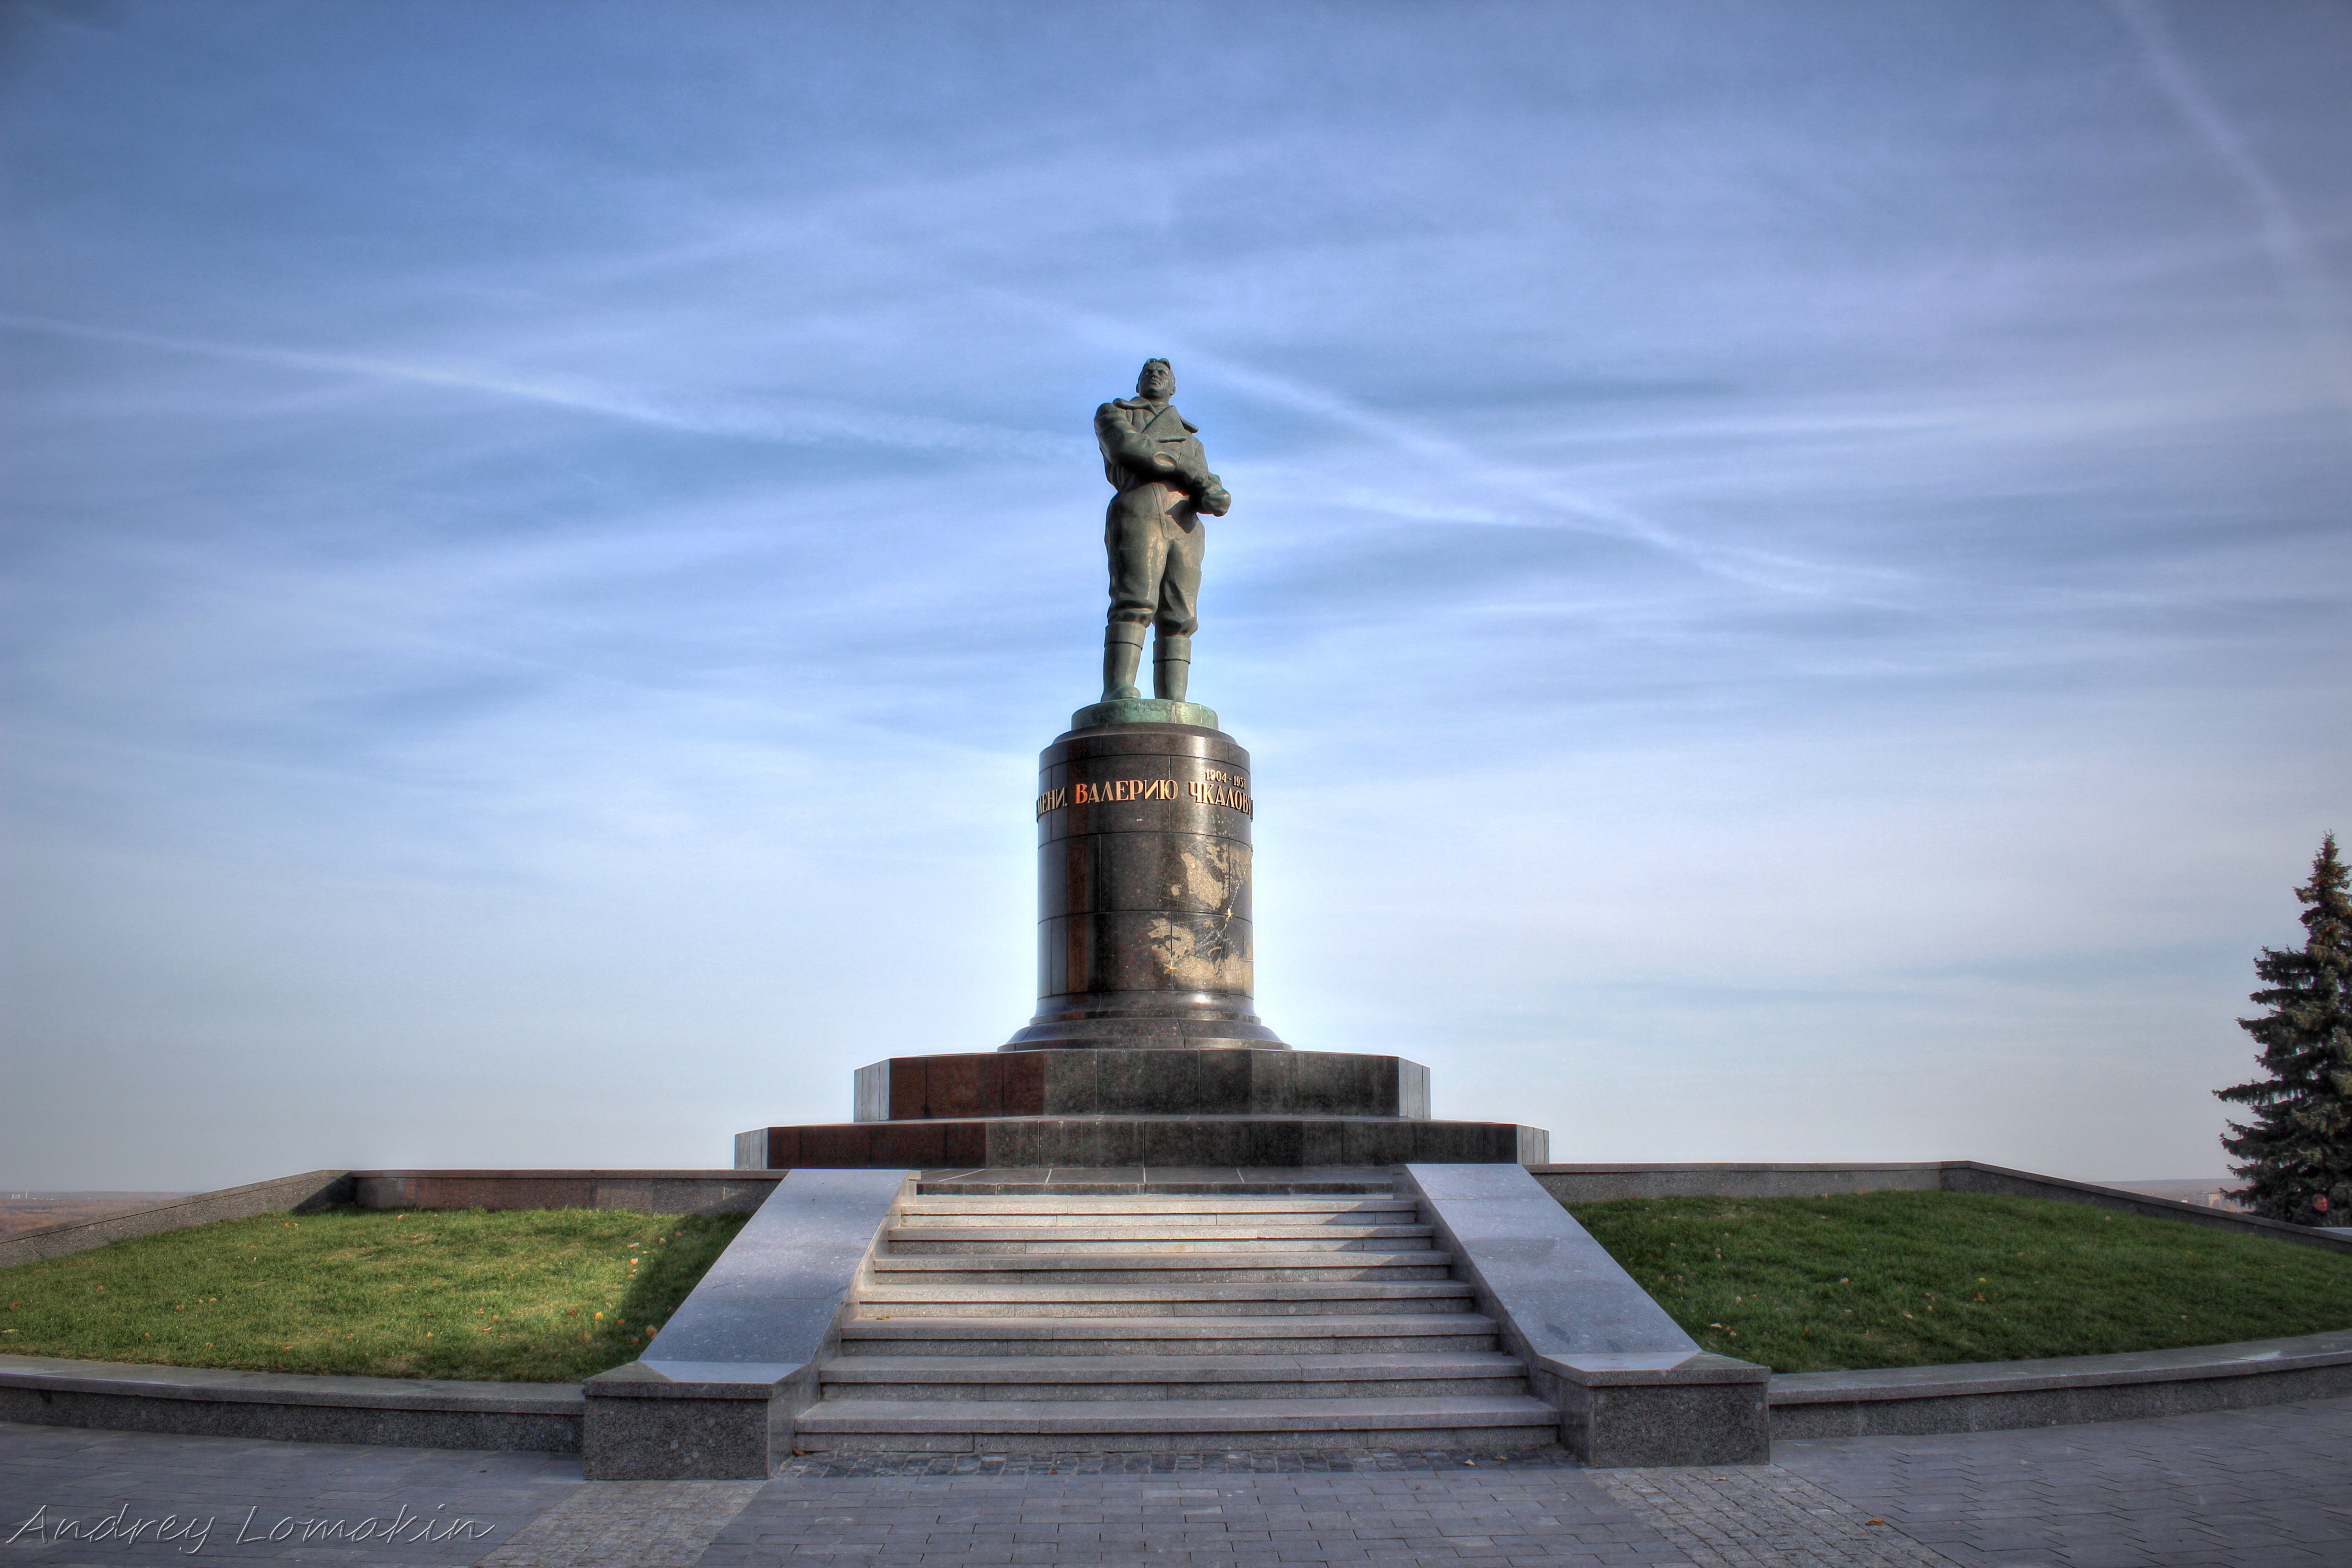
[(1168, 407)]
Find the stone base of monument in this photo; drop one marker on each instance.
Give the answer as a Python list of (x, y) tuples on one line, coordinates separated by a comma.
[(1142, 1083), (1047, 1142), (1151, 1108)]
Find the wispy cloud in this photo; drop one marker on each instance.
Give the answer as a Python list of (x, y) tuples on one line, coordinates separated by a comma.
[(2302, 273)]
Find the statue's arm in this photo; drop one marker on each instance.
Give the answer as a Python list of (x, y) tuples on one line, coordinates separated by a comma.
[(1191, 474), (1148, 460)]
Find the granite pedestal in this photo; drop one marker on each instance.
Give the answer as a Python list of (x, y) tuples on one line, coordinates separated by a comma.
[(1146, 1047), (1144, 936)]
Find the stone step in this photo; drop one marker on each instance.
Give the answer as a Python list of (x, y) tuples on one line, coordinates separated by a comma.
[(1161, 1268), (1191, 1223), (1358, 1333), (916, 1241), (1001, 1426), (1276, 1219), (1059, 1191), (1428, 1375), (932, 1298), (1042, 1319), (1163, 1181), (1205, 1211)]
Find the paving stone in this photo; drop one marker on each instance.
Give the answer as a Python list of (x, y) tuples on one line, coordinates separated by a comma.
[(627, 1524), (1763, 1516), (1228, 1510), (2260, 1486)]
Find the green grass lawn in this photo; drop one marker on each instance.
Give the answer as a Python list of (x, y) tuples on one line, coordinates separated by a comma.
[(528, 1296), (1922, 1279)]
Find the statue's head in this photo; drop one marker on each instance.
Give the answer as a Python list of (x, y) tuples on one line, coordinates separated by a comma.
[(1157, 380)]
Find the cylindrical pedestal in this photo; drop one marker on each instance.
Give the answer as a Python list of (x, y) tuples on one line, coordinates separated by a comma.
[(1143, 891)]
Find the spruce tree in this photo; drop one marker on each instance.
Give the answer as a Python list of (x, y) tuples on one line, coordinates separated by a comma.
[(2299, 1143)]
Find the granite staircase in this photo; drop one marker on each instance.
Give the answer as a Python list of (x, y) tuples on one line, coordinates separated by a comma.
[(1038, 1321)]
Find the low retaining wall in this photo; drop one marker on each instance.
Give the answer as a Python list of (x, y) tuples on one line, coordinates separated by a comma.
[(393, 1412), (1604, 1183), (645, 1192), (287, 1194), (1967, 1176), (2062, 1391), (548, 1417)]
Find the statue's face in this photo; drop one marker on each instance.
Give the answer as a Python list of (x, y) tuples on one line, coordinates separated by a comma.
[(1157, 382)]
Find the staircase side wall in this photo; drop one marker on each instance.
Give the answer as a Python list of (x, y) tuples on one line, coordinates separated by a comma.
[(1631, 1386), (716, 1394)]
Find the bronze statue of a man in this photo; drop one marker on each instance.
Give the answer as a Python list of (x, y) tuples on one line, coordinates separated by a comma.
[(1152, 458)]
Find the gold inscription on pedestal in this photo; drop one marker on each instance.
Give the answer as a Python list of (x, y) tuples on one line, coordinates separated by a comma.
[(1228, 790)]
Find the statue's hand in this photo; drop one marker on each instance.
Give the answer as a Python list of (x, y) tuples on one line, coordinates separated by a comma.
[(1163, 462), (1212, 499)]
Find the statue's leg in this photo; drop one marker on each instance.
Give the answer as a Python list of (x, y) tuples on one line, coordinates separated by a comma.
[(1171, 667), (1137, 554), (1122, 655), (1180, 582)]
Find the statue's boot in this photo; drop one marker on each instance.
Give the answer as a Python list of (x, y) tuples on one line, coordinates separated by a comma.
[(1171, 667), (1122, 655)]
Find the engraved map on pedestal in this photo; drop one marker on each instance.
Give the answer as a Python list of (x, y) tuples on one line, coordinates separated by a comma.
[(1210, 951)]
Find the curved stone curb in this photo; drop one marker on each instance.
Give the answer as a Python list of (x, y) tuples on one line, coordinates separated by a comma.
[(2064, 1391), (430, 1412), (302, 1407)]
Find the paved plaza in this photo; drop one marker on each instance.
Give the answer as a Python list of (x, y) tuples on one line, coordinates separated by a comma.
[(2260, 1489)]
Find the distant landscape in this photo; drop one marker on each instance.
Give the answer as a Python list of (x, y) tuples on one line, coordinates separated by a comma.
[(32, 1210), (2211, 1193)]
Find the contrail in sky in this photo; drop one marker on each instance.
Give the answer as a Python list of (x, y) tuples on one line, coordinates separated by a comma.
[(1530, 491), (806, 423), (2301, 274)]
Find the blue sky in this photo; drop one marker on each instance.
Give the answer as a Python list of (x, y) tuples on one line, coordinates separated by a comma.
[(1787, 583)]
